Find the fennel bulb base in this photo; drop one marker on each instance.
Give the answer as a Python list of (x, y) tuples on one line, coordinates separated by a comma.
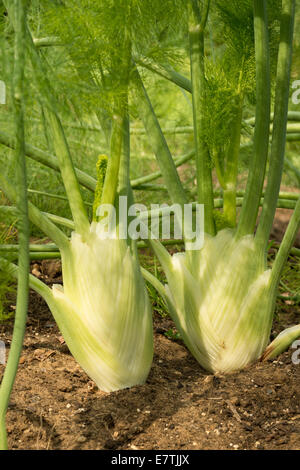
[(222, 302), (103, 311)]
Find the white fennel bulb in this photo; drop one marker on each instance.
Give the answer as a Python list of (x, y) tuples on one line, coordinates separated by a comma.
[(103, 311), (221, 300)]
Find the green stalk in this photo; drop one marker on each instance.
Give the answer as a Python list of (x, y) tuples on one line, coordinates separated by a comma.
[(165, 72), (292, 116), (41, 221), (119, 121), (231, 172), (154, 282), (167, 130), (48, 160), (286, 245), (68, 173), (280, 121), (38, 255), (52, 196), (150, 187), (23, 224), (113, 165), (281, 343), (197, 23), (153, 176), (33, 247), (50, 229), (47, 42), (292, 128), (159, 144), (125, 188), (293, 137), (256, 176)]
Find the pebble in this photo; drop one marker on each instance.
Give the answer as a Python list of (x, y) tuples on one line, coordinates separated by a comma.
[(235, 401), (208, 379), (80, 410)]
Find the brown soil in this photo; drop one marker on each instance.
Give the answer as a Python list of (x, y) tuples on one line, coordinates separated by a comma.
[(55, 405)]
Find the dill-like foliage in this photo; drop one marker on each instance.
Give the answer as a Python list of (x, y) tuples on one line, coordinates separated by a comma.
[(231, 70), (89, 69)]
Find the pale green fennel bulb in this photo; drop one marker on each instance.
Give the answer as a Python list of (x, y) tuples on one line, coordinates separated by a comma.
[(221, 299), (103, 311)]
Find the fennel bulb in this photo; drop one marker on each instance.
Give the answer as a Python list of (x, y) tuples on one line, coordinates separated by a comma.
[(221, 299), (103, 311)]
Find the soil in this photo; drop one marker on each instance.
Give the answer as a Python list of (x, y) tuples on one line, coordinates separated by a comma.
[(55, 405)]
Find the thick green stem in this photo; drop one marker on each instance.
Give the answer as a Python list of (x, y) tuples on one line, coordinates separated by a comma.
[(262, 121), (281, 343), (165, 72), (154, 282), (286, 245), (68, 174), (231, 172), (53, 196), (33, 247), (280, 122), (197, 23), (47, 42), (292, 116), (113, 166), (124, 188), (23, 222), (159, 144), (119, 120), (37, 255)]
